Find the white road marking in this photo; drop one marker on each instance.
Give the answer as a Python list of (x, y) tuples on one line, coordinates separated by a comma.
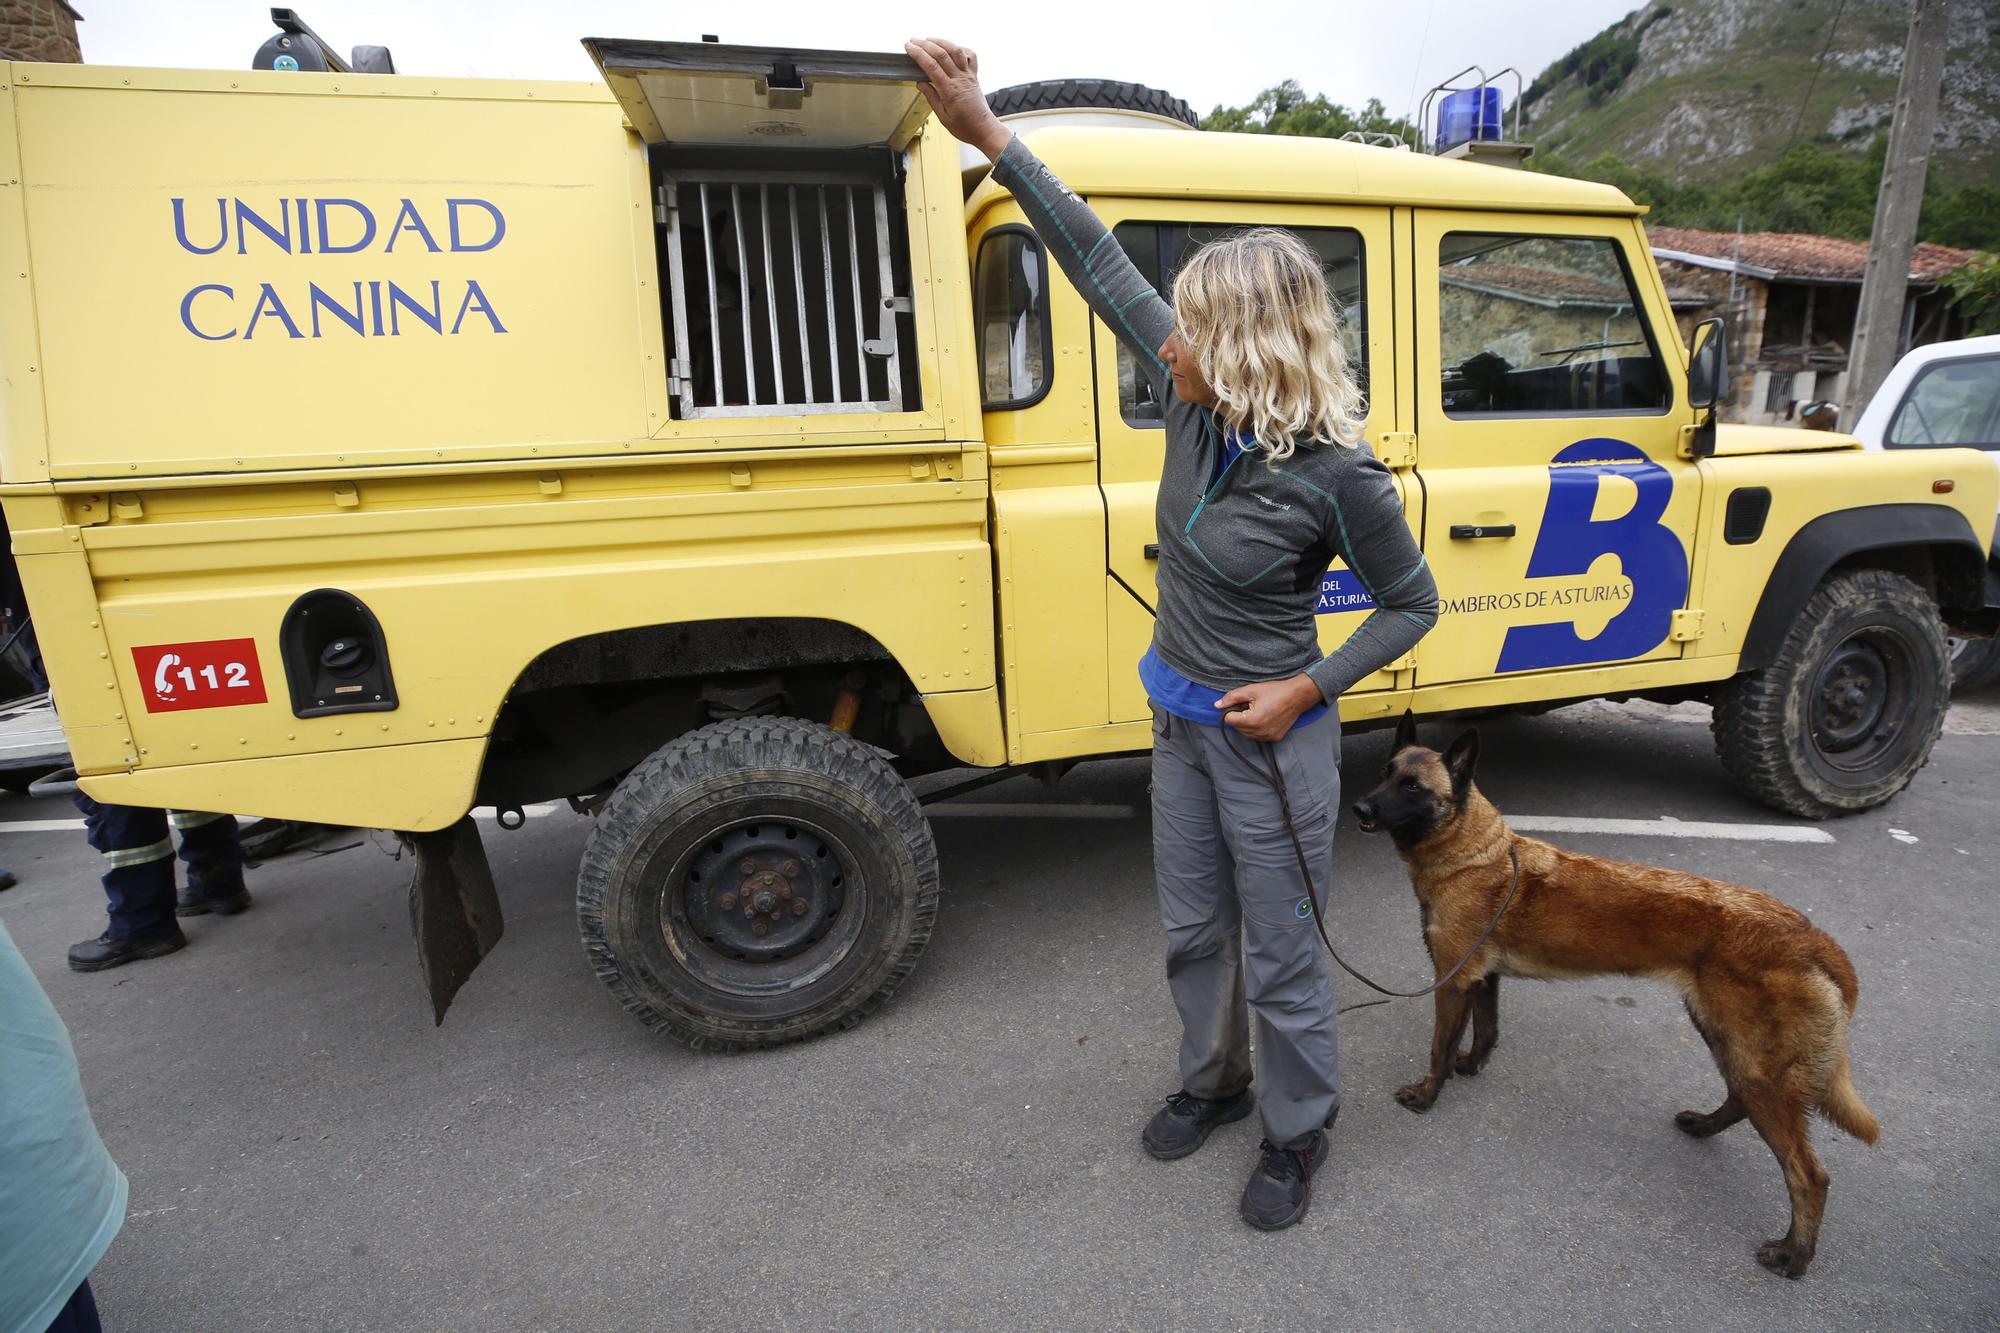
[(1029, 810), (531, 811), (1903, 835), (1668, 827)]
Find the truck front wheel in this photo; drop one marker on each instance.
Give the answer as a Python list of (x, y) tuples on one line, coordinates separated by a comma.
[(755, 882), (1847, 712)]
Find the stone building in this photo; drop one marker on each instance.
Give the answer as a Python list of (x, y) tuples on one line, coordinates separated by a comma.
[(1790, 302), (39, 30)]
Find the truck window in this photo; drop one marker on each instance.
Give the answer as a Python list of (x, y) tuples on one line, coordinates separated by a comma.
[(1159, 249), (1011, 296), (1952, 403), (1542, 326)]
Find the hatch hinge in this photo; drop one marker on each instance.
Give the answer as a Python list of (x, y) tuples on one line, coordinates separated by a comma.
[(1397, 449), (1687, 626), (663, 205)]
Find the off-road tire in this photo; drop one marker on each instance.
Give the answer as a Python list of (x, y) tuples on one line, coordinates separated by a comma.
[(776, 779), (1764, 721), (1975, 664), (1090, 95)]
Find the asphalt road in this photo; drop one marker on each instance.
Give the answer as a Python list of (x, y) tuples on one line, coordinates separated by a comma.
[(307, 1152)]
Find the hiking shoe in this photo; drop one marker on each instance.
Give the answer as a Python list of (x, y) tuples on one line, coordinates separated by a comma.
[(1280, 1189), (223, 900), (1183, 1124), (105, 952)]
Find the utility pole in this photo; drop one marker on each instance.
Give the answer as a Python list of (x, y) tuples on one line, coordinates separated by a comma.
[(1878, 327)]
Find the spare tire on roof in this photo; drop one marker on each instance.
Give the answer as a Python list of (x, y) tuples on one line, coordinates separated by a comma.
[(1090, 95)]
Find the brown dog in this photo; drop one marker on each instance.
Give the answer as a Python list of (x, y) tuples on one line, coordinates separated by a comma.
[(1769, 992)]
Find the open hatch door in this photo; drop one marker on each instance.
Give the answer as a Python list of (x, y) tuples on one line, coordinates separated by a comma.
[(707, 94)]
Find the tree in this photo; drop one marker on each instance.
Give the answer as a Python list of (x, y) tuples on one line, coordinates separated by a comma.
[(1975, 291), (1288, 109)]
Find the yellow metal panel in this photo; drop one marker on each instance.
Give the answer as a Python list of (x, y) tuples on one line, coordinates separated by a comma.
[(1491, 470), (302, 269), (968, 721), (1804, 487), (1048, 543), (415, 788), (1139, 163), (473, 576), (23, 421), (71, 632)]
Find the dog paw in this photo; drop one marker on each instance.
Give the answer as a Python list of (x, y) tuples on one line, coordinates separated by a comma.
[(1783, 1258), (1695, 1124), (1417, 1096)]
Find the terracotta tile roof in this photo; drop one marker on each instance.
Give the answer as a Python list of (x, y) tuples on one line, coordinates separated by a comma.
[(1552, 286), (1796, 255)]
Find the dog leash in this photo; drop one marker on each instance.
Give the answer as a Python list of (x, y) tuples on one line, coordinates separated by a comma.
[(1276, 782)]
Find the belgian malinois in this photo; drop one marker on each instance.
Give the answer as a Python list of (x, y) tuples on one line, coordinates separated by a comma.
[(1769, 992)]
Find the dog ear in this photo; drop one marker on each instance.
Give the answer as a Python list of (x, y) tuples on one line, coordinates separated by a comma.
[(1462, 758), (1406, 732)]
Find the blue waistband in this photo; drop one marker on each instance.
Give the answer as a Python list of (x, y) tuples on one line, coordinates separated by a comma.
[(1183, 698)]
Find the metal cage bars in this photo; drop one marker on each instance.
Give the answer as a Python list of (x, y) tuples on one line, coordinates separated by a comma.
[(759, 220)]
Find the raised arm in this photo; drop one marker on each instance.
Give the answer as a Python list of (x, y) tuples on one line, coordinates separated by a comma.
[(1095, 264)]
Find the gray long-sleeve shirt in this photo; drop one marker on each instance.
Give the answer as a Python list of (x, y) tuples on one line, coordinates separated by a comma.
[(1242, 556)]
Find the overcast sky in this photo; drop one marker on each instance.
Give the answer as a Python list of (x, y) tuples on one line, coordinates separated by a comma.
[(1206, 51)]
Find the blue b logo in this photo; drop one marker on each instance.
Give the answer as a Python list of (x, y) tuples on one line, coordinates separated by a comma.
[(1569, 543)]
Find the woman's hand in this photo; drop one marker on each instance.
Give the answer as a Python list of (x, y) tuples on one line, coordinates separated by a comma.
[(952, 88), (1266, 711)]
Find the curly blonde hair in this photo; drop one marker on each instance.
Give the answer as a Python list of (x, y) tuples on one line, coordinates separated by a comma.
[(1255, 309)]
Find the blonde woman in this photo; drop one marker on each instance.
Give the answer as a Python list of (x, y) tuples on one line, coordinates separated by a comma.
[(1266, 480)]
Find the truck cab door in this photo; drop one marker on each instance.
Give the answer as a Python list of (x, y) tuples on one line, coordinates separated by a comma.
[(1160, 235), (1549, 400)]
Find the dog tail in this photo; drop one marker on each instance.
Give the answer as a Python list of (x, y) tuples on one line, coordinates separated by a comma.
[(1832, 960), (1841, 1104)]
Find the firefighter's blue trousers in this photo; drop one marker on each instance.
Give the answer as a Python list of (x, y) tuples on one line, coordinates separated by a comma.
[(139, 860)]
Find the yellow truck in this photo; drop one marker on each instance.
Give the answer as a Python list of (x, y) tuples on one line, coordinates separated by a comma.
[(709, 448)]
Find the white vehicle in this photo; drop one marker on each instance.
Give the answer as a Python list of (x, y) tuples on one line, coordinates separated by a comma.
[(1944, 395)]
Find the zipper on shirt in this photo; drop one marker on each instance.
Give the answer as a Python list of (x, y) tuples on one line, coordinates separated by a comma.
[(1209, 494)]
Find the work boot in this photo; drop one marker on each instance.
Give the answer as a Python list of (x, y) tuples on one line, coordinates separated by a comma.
[(226, 899), (1183, 1124), (105, 952), (1280, 1189)]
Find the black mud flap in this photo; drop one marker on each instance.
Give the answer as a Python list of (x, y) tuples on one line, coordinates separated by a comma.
[(454, 911)]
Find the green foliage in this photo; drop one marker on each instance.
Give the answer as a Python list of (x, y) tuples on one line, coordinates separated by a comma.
[(1286, 109), (1601, 63), (1975, 291), (1815, 189)]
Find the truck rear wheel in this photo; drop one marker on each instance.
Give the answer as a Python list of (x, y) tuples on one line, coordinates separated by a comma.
[(755, 882), (1975, 663), (1847, 712)]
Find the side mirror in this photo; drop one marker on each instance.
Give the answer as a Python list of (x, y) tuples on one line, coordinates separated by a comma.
[(1708, 365)]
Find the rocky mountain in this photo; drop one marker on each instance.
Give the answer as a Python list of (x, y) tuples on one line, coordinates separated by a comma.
[(1705, 89)]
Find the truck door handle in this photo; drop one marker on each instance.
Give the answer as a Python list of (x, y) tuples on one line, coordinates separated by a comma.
[(1461, 532), (1152, 551)]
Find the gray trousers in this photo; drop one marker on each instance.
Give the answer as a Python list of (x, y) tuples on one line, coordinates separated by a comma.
[(1238, 924)]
